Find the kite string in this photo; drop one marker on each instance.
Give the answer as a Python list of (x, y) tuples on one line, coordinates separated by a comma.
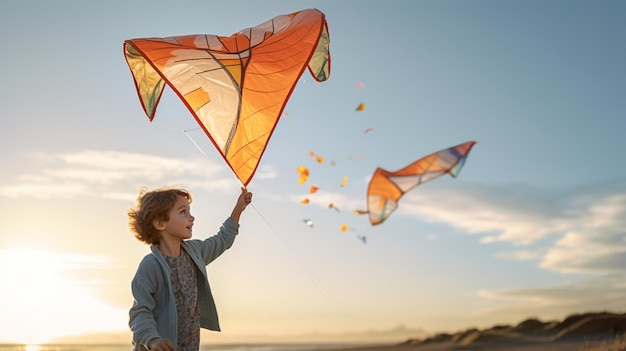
[(186, 132), (303, 266), (332, 302), (196, 144)]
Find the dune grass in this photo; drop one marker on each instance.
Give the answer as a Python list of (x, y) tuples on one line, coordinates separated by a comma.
[(617, 344)]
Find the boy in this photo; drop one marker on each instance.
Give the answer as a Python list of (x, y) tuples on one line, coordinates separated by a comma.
[(172, 296)]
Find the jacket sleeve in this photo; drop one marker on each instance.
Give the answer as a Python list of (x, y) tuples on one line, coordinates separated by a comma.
[(142, 321), (214, 246)]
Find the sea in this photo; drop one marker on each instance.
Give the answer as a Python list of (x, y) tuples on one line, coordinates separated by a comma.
[(228, 347)]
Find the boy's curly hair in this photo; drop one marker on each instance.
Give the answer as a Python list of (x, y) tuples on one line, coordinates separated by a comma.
[(150, 206)]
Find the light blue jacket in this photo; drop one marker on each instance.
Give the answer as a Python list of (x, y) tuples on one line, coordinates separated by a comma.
[(153, 314)]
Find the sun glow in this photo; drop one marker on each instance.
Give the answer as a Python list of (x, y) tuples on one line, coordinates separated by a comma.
[(39, 301)]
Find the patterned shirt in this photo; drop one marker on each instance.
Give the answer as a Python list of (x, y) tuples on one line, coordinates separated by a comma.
[(184, 283)]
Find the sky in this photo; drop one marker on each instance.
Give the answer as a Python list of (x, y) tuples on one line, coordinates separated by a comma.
[(532, 227)]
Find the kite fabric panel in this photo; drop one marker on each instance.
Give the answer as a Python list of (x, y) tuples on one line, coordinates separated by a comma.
[(235, 87), (386, 188)]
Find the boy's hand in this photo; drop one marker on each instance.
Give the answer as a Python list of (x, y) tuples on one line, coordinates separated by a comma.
[(161, 344), (244, 199)]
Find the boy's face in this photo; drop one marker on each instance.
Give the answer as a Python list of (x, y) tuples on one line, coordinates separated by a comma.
[(180, 220)]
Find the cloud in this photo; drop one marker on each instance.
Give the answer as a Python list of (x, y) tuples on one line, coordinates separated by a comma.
[(574, 230), (496, 213), (266, 172), (521, 255), (594, 294), (113, 175)]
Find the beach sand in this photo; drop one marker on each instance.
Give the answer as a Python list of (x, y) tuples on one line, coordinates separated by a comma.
[(449, 346)]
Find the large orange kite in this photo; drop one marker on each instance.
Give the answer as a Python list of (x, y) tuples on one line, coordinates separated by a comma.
[(235, 87)]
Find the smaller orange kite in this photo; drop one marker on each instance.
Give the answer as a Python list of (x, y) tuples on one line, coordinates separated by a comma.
[(386, 188)]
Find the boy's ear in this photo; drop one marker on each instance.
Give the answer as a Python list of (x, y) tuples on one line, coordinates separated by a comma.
[(158, 224)]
